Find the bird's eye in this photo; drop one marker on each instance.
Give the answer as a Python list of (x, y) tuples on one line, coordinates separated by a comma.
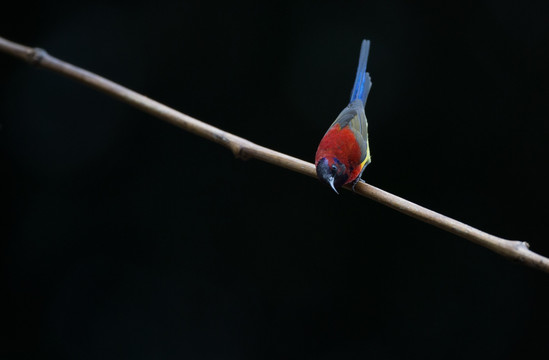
[(334, 168)]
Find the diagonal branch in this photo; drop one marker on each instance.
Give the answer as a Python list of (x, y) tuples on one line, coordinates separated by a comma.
[(514, 250)]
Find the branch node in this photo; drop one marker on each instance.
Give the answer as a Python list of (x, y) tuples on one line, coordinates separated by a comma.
[(35, 56), (240, 151), (520, 246), (237, 147)]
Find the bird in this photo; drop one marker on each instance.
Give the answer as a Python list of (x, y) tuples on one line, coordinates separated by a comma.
[(344, 151)]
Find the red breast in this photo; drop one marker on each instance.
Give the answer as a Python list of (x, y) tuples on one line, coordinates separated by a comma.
[(341, 144)]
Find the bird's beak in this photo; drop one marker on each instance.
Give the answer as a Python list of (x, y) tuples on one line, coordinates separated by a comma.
[(331, 182)]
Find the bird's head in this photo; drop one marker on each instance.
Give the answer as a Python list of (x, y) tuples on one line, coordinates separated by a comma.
[(332, 171)]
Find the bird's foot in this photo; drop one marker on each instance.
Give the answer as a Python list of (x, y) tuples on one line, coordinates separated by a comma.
[(354, 184)]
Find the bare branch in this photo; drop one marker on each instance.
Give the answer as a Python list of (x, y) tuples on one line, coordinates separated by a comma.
[(514, 250)]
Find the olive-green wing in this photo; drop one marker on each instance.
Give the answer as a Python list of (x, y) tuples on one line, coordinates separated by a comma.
[(354, 117)]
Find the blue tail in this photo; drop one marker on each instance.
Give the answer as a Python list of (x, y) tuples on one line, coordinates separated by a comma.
[(363, 83)]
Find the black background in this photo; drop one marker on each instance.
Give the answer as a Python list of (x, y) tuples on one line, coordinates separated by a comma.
[(125, 237)]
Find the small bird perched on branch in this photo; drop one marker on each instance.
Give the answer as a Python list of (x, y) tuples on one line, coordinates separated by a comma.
[(344, 151)]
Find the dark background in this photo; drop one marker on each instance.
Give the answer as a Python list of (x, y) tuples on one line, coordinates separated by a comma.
[(124, 237)]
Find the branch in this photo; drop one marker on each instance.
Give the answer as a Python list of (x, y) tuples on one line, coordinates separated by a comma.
[(242, 148)]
